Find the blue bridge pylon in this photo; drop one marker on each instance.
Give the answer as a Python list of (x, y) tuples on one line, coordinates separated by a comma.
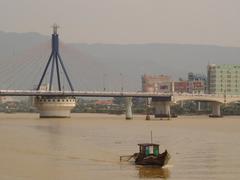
[(55, 58)]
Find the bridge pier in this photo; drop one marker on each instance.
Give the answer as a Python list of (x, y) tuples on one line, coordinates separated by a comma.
[(148, 105), (54, 107), (216, 111), (128, 103), (198, 105), (162, 109)]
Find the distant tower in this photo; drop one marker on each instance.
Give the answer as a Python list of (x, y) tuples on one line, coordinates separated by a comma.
[(54, 106), (55, 59)]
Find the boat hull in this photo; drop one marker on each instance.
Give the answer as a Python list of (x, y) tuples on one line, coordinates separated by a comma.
[(160, 160)]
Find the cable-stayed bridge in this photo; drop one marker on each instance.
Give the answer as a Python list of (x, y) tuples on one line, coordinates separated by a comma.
[(58, 103), (161, 101)]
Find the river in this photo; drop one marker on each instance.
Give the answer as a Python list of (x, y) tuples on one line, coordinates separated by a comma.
[(88, 147)]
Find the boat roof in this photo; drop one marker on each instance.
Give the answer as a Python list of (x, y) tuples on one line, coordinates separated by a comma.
[(148, 144)]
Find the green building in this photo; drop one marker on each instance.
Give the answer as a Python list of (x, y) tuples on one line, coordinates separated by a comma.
[(224, 79)]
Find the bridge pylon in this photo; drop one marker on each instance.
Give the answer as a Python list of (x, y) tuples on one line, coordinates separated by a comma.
[(55, 59), (54, 106)]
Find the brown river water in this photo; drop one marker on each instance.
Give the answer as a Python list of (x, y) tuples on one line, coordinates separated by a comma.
[(88, 147)]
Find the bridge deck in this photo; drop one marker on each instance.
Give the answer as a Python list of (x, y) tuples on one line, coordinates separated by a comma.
[(175, 97), (81, 93)]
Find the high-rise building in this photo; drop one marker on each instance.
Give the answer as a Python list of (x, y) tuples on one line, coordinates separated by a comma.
[(224, 79)]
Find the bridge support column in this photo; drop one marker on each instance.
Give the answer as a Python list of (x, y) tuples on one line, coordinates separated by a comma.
[(129, 114), (199, 106), (182, 104), (162, 109), (148, 105), (216, 111)]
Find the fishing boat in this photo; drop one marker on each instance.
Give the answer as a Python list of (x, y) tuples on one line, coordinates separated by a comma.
[(149, 155)]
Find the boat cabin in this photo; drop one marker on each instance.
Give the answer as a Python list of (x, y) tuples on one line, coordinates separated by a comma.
[(148, 149)]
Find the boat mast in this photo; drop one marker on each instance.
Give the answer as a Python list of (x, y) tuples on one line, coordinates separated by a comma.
[(151, 138)]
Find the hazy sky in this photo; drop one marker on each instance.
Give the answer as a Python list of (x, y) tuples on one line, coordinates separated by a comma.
[(127, 21)]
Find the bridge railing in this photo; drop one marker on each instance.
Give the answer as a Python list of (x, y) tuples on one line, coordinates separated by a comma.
[(105, 93)]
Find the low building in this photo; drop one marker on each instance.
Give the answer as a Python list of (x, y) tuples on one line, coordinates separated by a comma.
[(5, 99), (164, 84), (104, 102), (181, 86), (199, 83), (156, 83), (197, 87)]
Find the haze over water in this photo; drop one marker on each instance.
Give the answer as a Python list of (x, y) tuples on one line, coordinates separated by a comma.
[(88, 146)]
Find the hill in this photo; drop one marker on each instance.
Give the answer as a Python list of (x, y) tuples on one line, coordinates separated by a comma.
[(94, 66)]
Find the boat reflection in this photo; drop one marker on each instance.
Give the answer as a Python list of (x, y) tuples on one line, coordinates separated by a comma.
[(153, 172)]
